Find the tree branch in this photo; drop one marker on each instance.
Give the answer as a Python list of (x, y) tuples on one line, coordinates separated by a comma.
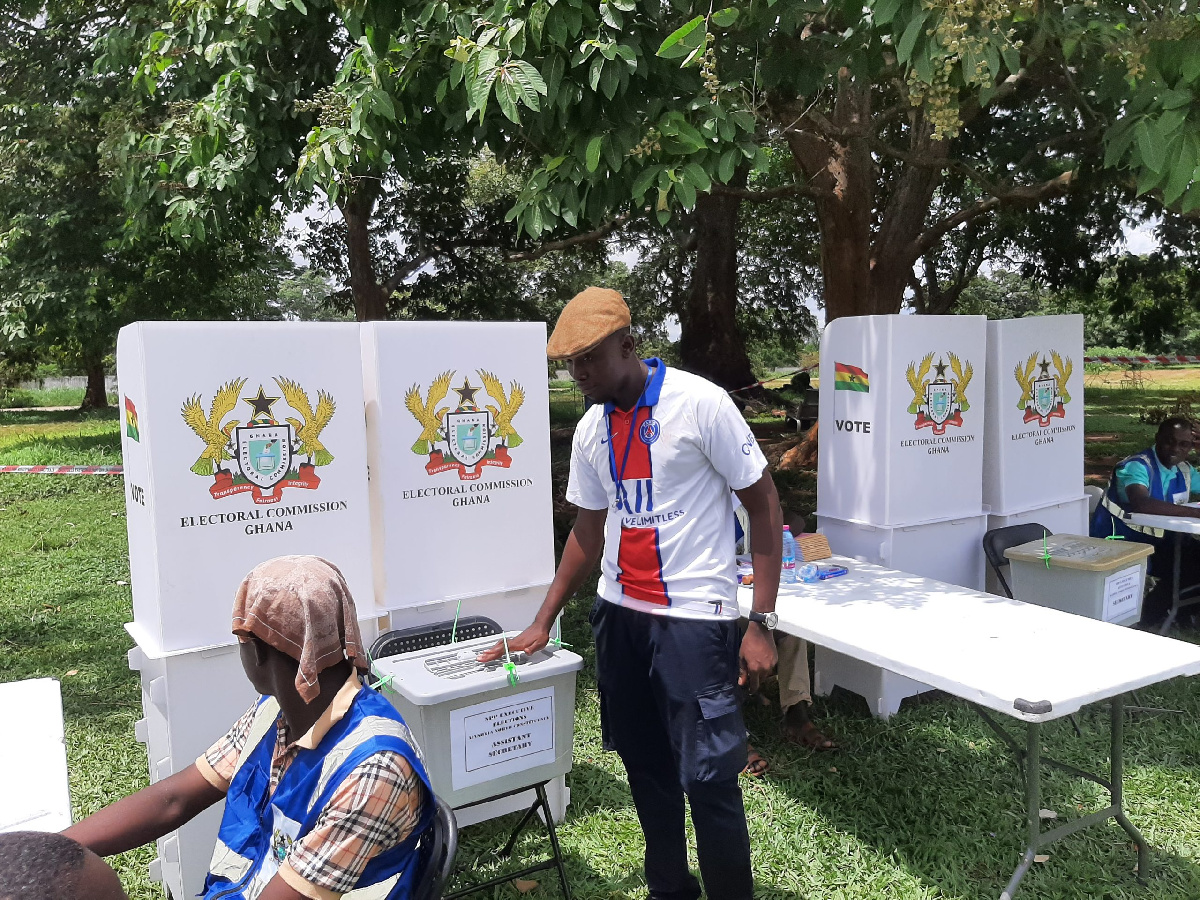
[(786, 190), (401, 274), (1028, 195), (587, 237)]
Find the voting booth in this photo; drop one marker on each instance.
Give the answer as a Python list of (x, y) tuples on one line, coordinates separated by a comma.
[(459, 440), (902, 419), (899, 462), (1033, 432), (246, 441)]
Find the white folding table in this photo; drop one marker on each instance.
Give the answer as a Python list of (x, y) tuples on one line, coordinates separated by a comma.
[(1179, 526), (1032, 663), (34, 792)]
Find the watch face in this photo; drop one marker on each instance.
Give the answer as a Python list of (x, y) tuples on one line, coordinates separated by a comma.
[(771, 620)]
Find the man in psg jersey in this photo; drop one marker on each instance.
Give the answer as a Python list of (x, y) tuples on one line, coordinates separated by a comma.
[(652, 466)]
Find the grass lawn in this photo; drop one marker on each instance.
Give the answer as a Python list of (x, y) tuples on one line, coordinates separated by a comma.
[(926, 806)]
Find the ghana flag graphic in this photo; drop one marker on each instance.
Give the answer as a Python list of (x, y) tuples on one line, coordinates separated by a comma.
[(850, 378), (131, 421)]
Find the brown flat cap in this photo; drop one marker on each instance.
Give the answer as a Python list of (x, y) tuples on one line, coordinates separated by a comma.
[(590, 317)]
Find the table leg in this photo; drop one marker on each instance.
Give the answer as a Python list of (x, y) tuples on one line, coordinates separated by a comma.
[(1176, 564), (1033, 805), (1116, 775), (1031, 756)]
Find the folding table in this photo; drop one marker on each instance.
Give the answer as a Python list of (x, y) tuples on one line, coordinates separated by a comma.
[(1031, 663), (1179, 526)]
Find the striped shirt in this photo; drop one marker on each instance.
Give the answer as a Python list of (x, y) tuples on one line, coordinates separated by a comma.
[(375, 808)]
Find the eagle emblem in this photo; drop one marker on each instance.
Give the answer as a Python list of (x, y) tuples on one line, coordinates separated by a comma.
[(263, 454), (939, 400), (1043, 395), (467, 437)]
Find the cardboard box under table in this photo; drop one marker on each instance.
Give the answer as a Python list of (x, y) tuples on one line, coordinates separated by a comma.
[(1093, 577)]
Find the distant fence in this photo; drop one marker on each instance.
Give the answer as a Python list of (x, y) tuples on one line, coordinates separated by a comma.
[(74, 382), (1143, 360)]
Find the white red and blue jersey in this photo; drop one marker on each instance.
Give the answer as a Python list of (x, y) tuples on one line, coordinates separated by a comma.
[(664, 471)]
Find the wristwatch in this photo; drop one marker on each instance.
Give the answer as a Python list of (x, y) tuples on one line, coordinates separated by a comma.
[(766, 620)]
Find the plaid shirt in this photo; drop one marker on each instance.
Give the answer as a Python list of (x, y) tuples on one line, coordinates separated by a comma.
[(375, 808)]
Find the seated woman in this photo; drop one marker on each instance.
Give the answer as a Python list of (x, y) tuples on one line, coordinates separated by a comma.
[(325, 794)]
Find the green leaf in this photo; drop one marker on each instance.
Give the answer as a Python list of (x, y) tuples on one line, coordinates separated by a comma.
[(686, 194), (695, 175), (1182, 169), (727, 166), (674, 46), (723, 18), (885, 10), (594, 73), (1119, 139), (645, 178), (1173, 99), (1151, 145), (909, 39), (593, 152), (299, 4), (610, 79)]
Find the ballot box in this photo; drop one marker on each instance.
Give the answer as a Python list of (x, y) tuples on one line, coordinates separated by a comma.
[(1033, 422), (1064, 517), (241, 441), (902, 419), (1093, 577), (481, 734)]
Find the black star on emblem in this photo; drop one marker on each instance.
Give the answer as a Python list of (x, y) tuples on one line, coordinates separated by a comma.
[(1045, 367), (941, 369), (261, 403), (466, 393)]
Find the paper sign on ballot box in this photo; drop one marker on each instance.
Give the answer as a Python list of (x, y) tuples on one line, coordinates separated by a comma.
[(241, 442)]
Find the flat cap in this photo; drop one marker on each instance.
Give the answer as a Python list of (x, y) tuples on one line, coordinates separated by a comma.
[(589, 317)]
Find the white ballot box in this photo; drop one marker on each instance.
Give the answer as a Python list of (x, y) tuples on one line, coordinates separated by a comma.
[(35, 794), (1065, 517), (1092, 577), (479, 734), (458, 426), (902, 419), (241, 442), (1033, 432)]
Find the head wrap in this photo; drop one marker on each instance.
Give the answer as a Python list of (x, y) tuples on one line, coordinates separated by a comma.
[(302, 607), (589, 317)]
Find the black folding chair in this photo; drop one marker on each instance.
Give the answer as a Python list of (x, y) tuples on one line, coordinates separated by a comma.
[(437, 851), (996, 541)]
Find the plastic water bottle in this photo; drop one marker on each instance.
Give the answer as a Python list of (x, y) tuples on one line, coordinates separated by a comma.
[(809, 573), (788, 575)]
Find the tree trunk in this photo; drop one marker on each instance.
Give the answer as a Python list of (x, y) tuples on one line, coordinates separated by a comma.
[(710, 343), (370, 300), (95, 396)]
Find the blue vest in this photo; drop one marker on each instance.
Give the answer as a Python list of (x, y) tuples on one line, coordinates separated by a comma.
[(1109, 516), (258, 829)]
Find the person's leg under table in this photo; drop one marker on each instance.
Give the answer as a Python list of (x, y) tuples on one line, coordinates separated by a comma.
[(633, 726)]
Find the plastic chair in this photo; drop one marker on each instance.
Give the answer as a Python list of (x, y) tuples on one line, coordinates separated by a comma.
[(996, 541), (436, 634), (1094, 496), (438, 848)]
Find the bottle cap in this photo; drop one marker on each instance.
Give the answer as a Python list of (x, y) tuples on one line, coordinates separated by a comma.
[(787, 528)]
